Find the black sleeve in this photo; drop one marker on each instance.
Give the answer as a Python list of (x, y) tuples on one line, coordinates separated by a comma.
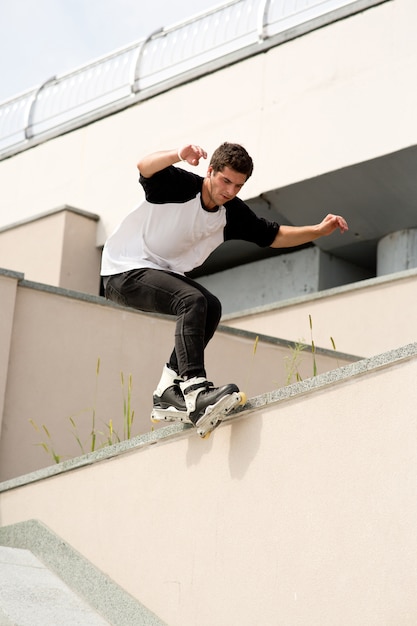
[(171, 184), (243, 223)]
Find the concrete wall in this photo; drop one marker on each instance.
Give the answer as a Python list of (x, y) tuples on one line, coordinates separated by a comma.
[(52, 339), (366, 318), (8, 289), (51, 343), (301, 512), (313, 105)]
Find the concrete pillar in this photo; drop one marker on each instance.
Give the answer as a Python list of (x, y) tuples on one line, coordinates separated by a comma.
[(56, 248), (397, 252)]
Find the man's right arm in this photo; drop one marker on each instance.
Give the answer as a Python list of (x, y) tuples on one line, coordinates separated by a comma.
[(157, 161)]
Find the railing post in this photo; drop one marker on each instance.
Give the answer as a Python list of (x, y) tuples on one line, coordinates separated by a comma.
[(263, 19), (136, 66), (29, 123)]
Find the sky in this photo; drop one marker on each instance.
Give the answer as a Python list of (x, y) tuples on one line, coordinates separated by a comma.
[(44, 38)]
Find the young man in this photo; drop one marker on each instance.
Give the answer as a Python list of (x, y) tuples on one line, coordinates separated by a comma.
[(183, 218)]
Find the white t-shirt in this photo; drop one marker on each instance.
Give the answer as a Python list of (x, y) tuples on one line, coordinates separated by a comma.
[(171, 229)]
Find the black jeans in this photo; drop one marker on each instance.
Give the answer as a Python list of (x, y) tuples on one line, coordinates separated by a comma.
[(198, 311)]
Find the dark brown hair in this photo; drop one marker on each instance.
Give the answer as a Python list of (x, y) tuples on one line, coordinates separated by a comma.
[(234, 156)]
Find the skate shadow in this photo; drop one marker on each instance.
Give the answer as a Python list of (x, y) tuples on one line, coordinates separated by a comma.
[(245, 440), (197, 448), (245, 435)]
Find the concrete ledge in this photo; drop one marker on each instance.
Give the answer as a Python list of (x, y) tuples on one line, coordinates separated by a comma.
[(41, 216), (286, 343), (176, 431), (360, 368), (11, 274), (97, 589)]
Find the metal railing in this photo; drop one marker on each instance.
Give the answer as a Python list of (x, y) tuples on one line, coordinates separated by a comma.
[(166, 58)]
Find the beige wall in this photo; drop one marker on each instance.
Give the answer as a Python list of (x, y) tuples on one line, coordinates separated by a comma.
[(8, 289), (51, 341), (49, 373), (57, 248), (365, 318), (314, 104), (304, 513)]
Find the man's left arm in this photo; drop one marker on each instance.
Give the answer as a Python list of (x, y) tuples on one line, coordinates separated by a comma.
[(290, 236)]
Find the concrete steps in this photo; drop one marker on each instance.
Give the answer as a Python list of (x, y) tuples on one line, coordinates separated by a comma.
[(45, 582)]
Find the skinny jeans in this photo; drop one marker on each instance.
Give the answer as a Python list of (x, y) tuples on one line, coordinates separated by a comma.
[(197, 311)]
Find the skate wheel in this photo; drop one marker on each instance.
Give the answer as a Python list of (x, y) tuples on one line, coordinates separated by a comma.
[(243, 398), (206, 436)]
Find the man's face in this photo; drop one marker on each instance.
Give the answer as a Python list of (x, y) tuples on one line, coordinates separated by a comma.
[(224, 185)]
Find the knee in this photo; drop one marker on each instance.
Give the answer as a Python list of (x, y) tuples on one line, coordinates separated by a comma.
[(215, 307), (199, 304), (194, 302)]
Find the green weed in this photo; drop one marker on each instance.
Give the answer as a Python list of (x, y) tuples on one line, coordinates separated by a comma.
[(97, 438), (48, 446)]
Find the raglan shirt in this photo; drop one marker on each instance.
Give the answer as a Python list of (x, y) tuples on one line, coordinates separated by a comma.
[(171, 230)]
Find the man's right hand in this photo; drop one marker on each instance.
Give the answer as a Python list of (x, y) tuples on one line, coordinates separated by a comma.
[(157, 161), (192, 154)]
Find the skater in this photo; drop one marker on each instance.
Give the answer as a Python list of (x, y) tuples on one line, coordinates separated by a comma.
[(183, 218)]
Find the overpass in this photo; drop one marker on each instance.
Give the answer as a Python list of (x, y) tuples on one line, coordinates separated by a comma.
[(321, 94)]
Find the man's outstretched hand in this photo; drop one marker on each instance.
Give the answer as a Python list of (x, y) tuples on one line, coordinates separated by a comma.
[(331, 223), (289, 236)]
